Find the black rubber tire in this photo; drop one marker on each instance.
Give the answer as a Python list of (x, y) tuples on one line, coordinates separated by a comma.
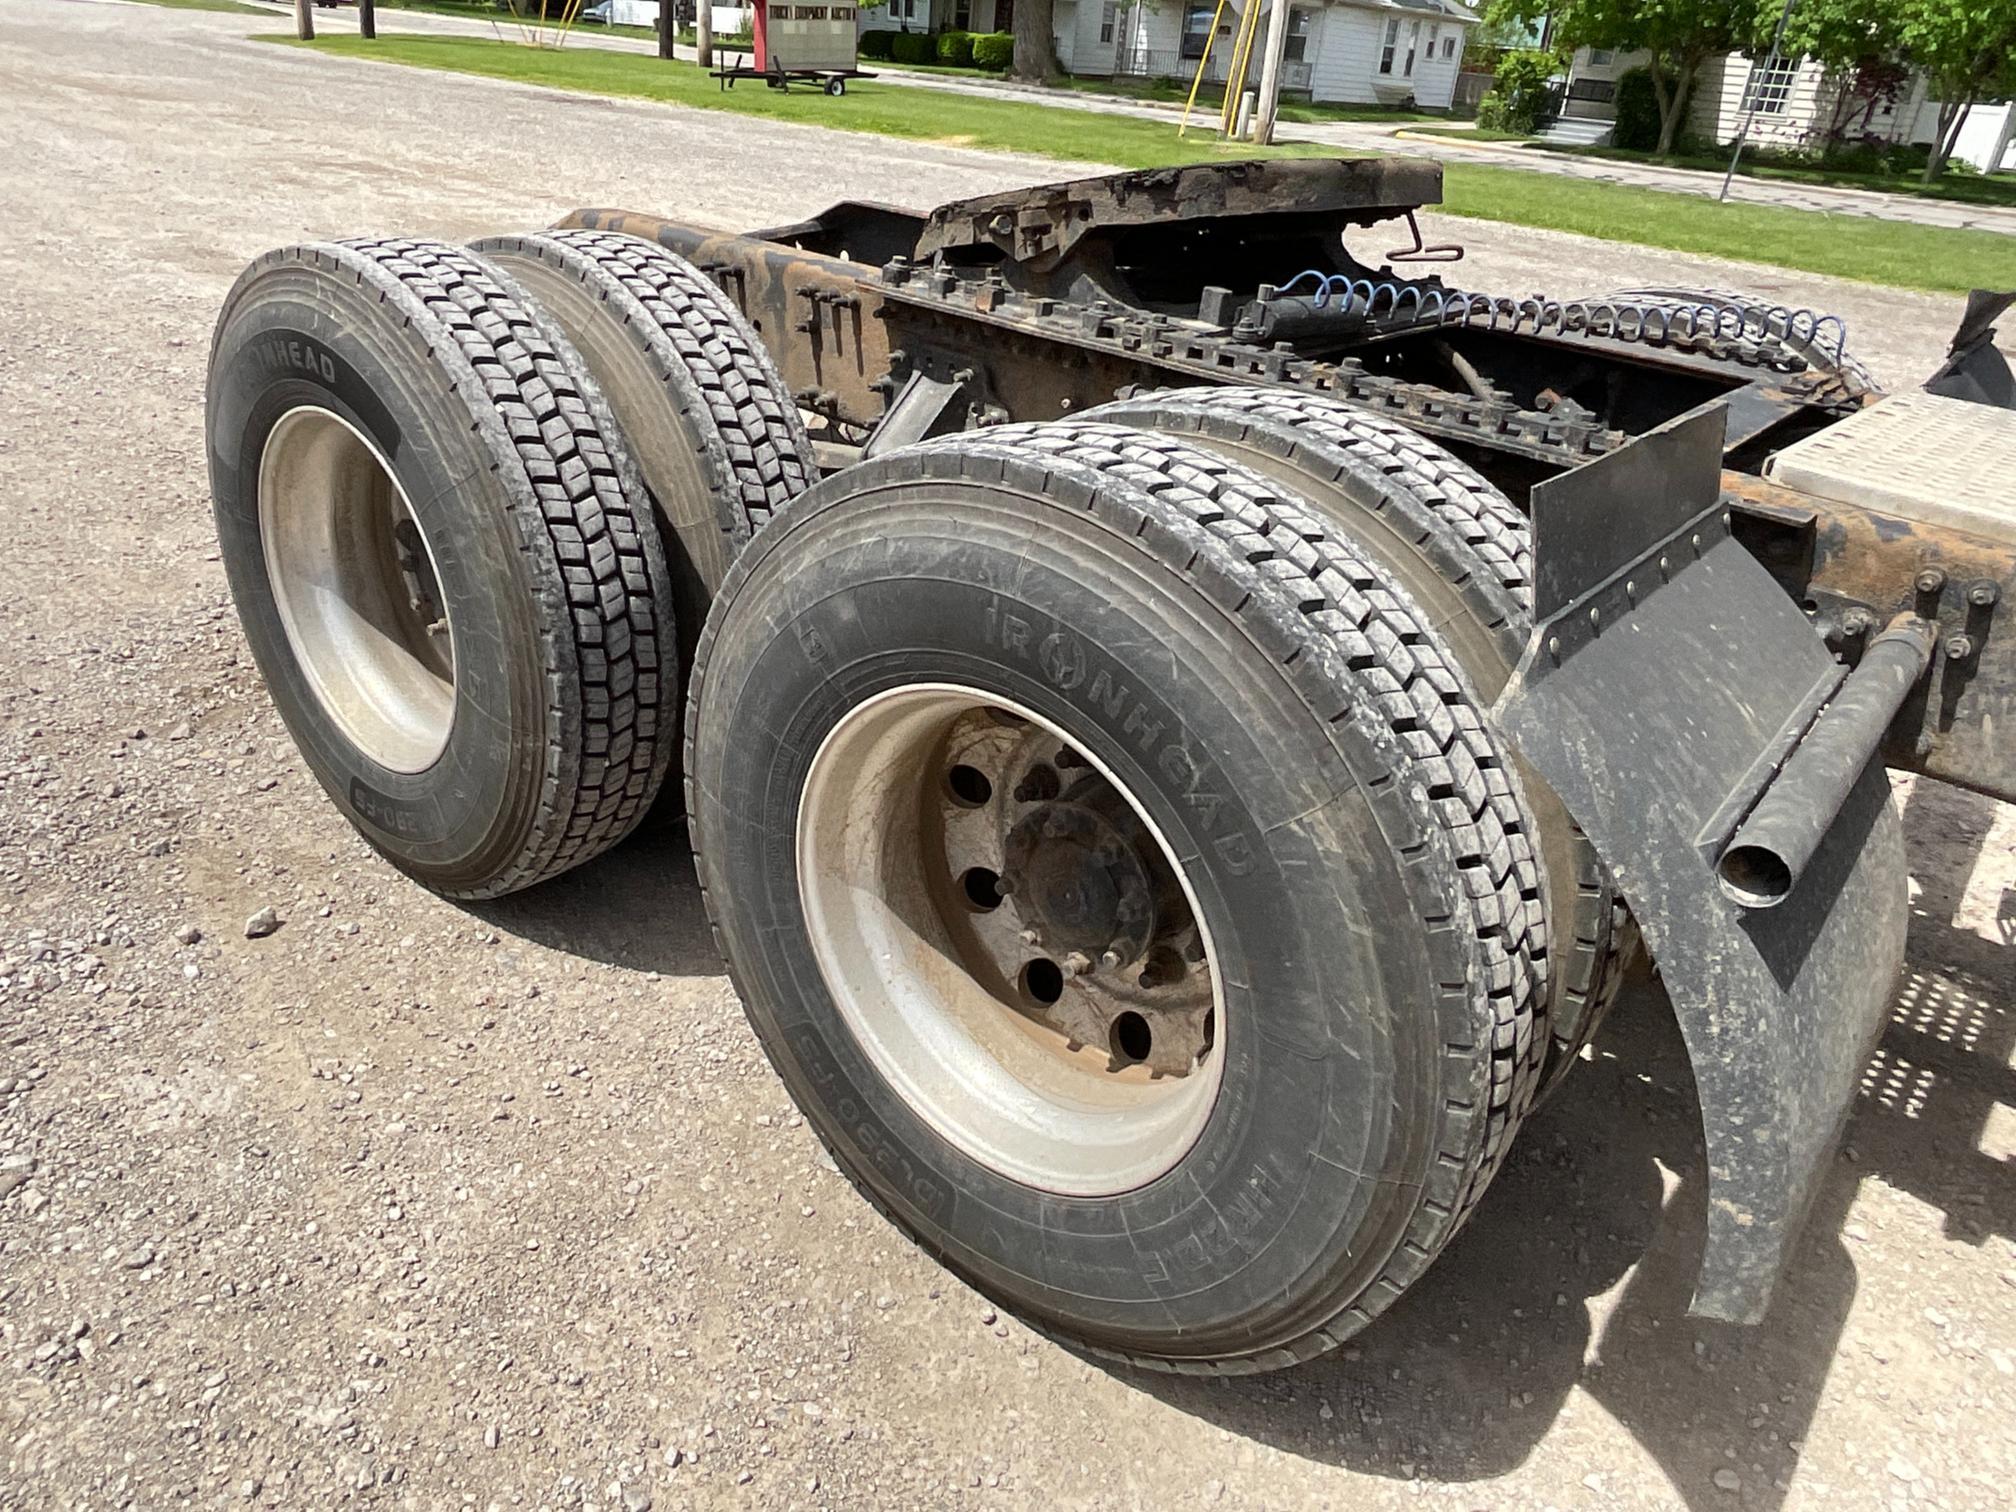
[(719, 442), (1819, 356), (554, 578), (1362, 864), (1464, 554)]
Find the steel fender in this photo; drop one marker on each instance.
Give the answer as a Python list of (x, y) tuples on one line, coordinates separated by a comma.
[(1666, 681)]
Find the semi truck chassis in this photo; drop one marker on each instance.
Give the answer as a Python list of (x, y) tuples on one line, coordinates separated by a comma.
[(1098, 612)]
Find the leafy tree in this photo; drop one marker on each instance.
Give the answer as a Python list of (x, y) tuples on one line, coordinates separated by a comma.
[(1965, 48), (1680, 36), (1967, 51)]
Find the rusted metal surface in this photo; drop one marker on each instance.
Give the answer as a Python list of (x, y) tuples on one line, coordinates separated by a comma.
[(1017, 319), (821, 317), (1859, 569), (1042, 225)]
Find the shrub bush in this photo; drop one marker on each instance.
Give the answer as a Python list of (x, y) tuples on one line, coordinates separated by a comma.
[(1637, 112), (955, 48), (912, 47), (1494, 113), (994, 50), (1521, 87), (875, 45)]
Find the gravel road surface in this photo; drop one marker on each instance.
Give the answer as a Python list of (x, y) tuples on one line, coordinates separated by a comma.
[(405, 1204)]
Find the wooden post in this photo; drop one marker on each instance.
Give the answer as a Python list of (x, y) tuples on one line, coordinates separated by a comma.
[(703, 31), (1270, 72), (304, 20), (367, 17), (668, 25)]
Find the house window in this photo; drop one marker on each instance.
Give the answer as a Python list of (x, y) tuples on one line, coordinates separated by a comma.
[(1434, 33), (1449, 47), (1298, 36), (1413, 45), (1771, 85), (1391, 41), (1109, 14), (962, 15), (1196, 28)]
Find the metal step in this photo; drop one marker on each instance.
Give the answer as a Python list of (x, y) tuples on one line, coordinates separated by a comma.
[(1915, 455)]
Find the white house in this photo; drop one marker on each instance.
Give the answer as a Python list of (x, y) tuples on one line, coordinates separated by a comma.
[(1373, 52), (1796, 100)]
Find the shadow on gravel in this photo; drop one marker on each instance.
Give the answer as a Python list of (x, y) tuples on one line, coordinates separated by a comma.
[(637, 907), (1468, 1373)]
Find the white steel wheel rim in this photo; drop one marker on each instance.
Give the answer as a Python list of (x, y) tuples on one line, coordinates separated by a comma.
[(378, 654), (1000, 1088)]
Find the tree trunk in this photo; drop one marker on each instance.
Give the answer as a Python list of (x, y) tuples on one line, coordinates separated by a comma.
[(1672, 110), (367, 18), (1035, 41), (304, 20), (1951, 117), (1662, 93), (703, 32), (668, 26)]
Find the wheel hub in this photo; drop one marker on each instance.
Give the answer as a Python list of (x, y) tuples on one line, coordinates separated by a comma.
[(1079, 880), (1010, 938)]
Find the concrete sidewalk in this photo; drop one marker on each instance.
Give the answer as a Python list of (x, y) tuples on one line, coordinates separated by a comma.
[(1346, 136)]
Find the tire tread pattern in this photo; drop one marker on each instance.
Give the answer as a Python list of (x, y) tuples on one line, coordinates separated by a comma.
[(768, 449), (1489, 556), (608, 750), (1363, 663)]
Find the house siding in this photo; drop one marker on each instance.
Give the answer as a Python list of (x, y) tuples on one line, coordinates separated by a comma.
[(1340, 55), (1715, 109)]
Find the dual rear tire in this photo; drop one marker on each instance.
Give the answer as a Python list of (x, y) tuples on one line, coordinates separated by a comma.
[(1100, 820), (1251, 731), (473, 507)]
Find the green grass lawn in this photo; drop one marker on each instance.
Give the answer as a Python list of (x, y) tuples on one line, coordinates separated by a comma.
[(1966, 188), (1004, 125), (1845, 246)]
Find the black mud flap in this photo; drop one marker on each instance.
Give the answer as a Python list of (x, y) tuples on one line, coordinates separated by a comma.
[(1667, 680)]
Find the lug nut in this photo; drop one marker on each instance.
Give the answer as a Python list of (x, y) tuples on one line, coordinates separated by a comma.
[(1077, 963), (1110, 959), (1032, 936)]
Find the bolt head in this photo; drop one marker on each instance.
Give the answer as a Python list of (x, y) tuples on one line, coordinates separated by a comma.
[(1032, 936), (1959, 648), (1110, 959), (1077, 963), (1983, 595), (1931, 580)]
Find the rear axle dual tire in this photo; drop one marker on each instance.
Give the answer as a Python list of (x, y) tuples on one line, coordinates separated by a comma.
[(1227, 696), (442, 558), (1463, 553)]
